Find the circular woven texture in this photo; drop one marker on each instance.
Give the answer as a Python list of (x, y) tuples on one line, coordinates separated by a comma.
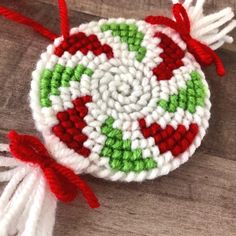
[(120, 99)]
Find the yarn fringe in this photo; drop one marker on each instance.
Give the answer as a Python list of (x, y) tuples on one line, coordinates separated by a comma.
[(212, 29), (27, 207), (35, 183)]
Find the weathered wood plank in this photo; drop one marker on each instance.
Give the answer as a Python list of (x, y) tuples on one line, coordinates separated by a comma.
[(139, 8), (194, 200), (133, 8), (197, 199), (220, 139)]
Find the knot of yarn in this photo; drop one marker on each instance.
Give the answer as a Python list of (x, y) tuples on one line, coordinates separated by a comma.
[(63, 182), (203, 53)]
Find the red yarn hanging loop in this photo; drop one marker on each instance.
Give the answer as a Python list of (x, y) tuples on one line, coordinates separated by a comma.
[(203, 53), (63, 182), (17, 17), (65, 26)]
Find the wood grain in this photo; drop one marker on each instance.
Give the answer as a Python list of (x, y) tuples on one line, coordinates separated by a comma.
[(197, 199), (133, 8), (138, 9), (194, 200)]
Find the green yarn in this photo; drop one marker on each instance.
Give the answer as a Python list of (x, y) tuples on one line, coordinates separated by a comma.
[(188, 98), (121, 155), (129, 34), (60, 76)]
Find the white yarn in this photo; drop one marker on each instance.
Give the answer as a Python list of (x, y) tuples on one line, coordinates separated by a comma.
[(47, 218), (27, 207), (212, 29), (4, 147)]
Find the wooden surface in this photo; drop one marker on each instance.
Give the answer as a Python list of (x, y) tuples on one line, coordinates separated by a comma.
[(139, 8), (133, 8), (197, 199)]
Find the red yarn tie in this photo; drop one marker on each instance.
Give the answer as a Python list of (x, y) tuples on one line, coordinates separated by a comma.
[(65, 26), (63, 182), (17, 17), (203, 54)]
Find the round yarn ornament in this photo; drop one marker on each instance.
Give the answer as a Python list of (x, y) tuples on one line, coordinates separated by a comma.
[(120, 99)]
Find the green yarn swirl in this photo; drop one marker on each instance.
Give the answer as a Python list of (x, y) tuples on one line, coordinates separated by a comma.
[(129, 34), (121, 155), (189, 98), (60, 76)]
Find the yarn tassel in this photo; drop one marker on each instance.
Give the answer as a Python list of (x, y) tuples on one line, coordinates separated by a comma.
[(35, 183), (202, 34), (27, 207), (212, 29)]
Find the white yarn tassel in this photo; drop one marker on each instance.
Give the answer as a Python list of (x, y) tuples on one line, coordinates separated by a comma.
[(212, 29), (27, 207)]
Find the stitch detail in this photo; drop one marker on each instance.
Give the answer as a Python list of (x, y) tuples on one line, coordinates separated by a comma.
[(52, 80), (122, 157), (83, 43), (169, 139), (129, 34), (71, 124), (187, 99), (172, 56)]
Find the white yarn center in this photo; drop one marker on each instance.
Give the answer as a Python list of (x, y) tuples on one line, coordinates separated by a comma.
[(123, 91)]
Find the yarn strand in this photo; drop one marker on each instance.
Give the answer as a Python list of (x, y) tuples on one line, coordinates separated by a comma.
[(19, 18), (65, 25)]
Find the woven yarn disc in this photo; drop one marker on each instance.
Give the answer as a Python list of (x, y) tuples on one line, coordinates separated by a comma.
[(120, 99)]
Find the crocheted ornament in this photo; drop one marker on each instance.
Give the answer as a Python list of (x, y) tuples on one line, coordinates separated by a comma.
[(121, 99)]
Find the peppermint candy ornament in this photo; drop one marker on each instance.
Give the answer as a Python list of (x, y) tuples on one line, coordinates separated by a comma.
[(106, 105), (124, 99), (121, 99)]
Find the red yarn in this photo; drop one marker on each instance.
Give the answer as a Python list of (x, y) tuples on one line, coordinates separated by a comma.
[(203, 54), (17, 17), (71, 123), (63, 182), (169, 139), (81, 42), (65, 27), (172, 56)]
